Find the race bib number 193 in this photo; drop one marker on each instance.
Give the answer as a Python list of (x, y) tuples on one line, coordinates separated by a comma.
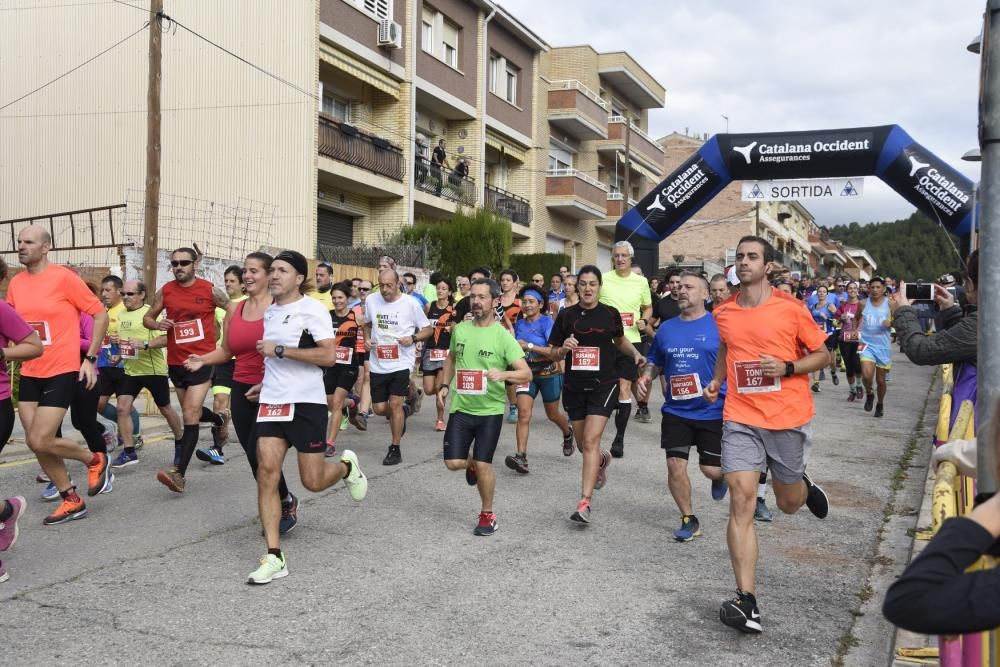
[(188, 332)]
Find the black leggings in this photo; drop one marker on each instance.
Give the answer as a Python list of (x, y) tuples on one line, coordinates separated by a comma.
[(245, 421), (83, 416), (852, 362), (6, 421)]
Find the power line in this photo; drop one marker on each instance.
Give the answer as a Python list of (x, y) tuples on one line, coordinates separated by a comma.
[(85, 62), (66, 5), (125, 4), (142, 111)]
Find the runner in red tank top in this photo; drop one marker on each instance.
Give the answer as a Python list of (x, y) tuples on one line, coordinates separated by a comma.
[(190, 325)]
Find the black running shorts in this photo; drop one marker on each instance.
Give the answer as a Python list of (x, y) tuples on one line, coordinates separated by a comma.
[(306, 431), (463, 430), (602, 401)]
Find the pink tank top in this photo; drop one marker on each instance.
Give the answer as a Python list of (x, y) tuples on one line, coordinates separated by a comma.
[(242, 341)]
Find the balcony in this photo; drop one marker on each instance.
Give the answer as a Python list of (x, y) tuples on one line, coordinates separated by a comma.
[(575, 194), (629, 78), (444, 183), (346, 143), (641, 146), (577, 110), (616, 209), (508, 205)]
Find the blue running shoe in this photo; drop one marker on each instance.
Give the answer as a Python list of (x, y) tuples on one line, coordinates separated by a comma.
[(690, 529), (125, 459), (50, 492), (719, 488), (210, 455)]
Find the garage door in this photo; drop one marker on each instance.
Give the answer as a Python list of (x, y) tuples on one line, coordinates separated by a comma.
[(333, 228)]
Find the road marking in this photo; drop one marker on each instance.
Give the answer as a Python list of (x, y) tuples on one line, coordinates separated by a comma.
[(12, 464)]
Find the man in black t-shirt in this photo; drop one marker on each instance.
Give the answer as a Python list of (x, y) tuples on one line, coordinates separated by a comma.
[(666, 308), (439, 159)]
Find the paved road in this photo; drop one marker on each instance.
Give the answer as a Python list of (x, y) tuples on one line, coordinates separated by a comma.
[(400, 579)]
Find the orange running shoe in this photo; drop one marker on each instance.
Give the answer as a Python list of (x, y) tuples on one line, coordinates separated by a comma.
[(98, 475), (69, 510), (172, 479)]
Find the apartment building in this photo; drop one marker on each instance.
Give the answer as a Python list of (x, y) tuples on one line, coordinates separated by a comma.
[(830, 257), (398, 78), (713, 232), (593, 123)]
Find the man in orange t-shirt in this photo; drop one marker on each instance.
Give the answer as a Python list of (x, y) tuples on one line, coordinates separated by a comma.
[(51, 298), (769, 346)]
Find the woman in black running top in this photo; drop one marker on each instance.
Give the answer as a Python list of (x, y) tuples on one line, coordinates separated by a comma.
[(340, 378), (587, 336), (441, 313)]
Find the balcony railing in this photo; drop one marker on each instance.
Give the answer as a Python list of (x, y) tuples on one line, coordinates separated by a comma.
[(573, 84), (616, 204), (641, 143), (347, 143), (444, 182), (514, 208)]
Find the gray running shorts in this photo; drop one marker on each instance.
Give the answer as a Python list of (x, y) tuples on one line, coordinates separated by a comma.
[(785, 452)]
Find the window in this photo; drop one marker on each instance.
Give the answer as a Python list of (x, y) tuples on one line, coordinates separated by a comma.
[(560, 157), (336, 107), (380, 9), (439, 37), (494, 71), (511, 84)]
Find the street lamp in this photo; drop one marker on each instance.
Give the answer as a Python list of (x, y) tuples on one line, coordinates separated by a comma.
[(727, 122)]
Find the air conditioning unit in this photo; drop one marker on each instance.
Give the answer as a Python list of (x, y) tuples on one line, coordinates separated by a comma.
[(390, 34)]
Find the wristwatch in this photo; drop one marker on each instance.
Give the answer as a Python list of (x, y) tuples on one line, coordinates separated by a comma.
[(145, 345), (789, 369), (531, 346), (91, 358), (279, 351)]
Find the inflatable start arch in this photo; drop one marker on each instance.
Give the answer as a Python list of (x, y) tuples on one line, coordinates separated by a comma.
[(935, 188)]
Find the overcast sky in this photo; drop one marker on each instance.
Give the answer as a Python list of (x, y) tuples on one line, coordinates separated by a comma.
[(773, 66)]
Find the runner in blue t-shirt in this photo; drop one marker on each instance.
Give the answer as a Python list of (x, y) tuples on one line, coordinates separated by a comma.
[(684, 350)]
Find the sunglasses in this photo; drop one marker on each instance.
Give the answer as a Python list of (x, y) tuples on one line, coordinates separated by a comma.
[(181, 262), (131, 293), (364, 289)]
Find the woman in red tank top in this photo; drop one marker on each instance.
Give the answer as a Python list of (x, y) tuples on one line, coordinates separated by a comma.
[(242, 329)]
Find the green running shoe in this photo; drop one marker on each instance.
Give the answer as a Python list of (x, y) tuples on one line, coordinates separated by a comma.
[(356, 482), (271, 567)]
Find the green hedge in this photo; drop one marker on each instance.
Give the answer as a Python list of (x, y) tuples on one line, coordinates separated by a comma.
[(545, 263), (462, 243)]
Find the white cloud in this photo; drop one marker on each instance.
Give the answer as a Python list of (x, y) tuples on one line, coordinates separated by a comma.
[(773, 66)]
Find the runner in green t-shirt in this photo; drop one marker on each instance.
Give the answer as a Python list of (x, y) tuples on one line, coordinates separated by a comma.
[(629, 293), (481, 351)]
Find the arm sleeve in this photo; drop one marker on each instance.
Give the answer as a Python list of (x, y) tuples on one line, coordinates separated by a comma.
[(957, 343), (935, 595)]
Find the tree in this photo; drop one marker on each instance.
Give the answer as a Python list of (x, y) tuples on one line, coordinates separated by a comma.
[(913, 248)]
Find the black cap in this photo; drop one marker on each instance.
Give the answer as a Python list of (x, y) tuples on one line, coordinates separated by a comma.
[(296, 259)]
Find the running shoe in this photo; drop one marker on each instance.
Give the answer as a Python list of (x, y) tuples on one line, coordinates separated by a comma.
[(512, 415), (393, 456), (518, 462), (3, 573), (816, 498), (869, 402), (357, 419), (68, 510), (487, 524), (8, 528), (271, 567), (835, 379), (344, 422), (110, 485), (878, 410), (220, 432), (110, 436), (356, 482), (98, 474), (815, 387), (690, 528), (289, 514), (859, 392), (618, 447), (851, 397), (331, 449), (211, 455), (137, 441), (439, 425), (582, 513), (172, 479), (762, 513), (642, 415), (50, 492), (125, 459), (568, 443), (471, 478), (361, 421), (602, 471), (42, 478), (719, 488), (741, 613)]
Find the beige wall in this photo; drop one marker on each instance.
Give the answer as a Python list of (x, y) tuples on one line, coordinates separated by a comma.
[(82, 141)]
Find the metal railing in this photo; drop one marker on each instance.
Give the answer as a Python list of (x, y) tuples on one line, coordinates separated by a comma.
[(347, 143), (444, 182), (514, 208), (573, 84), (569, 171), (635, 128)]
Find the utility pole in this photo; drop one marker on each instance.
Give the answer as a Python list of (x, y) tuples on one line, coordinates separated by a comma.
[(628, 163), (151, 210)]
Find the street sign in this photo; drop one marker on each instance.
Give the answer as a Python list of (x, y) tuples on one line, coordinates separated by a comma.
[(812, 188)]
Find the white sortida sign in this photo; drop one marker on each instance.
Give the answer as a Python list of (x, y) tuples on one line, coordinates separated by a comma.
[(812, 188)]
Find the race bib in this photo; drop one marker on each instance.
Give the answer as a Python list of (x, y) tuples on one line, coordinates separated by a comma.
[(861, 347), (275, 412), (628, 319), (126, 350), (470, 381), (750, 378), (522, 388), (586, 359), (685, 387), (188, 332), (387, 352), (344, 355), (42, 329), (437, 355), (850, 336), (106, 342)]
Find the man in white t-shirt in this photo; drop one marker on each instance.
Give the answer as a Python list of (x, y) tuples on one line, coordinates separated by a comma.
[(394, 324), (298, 342)]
